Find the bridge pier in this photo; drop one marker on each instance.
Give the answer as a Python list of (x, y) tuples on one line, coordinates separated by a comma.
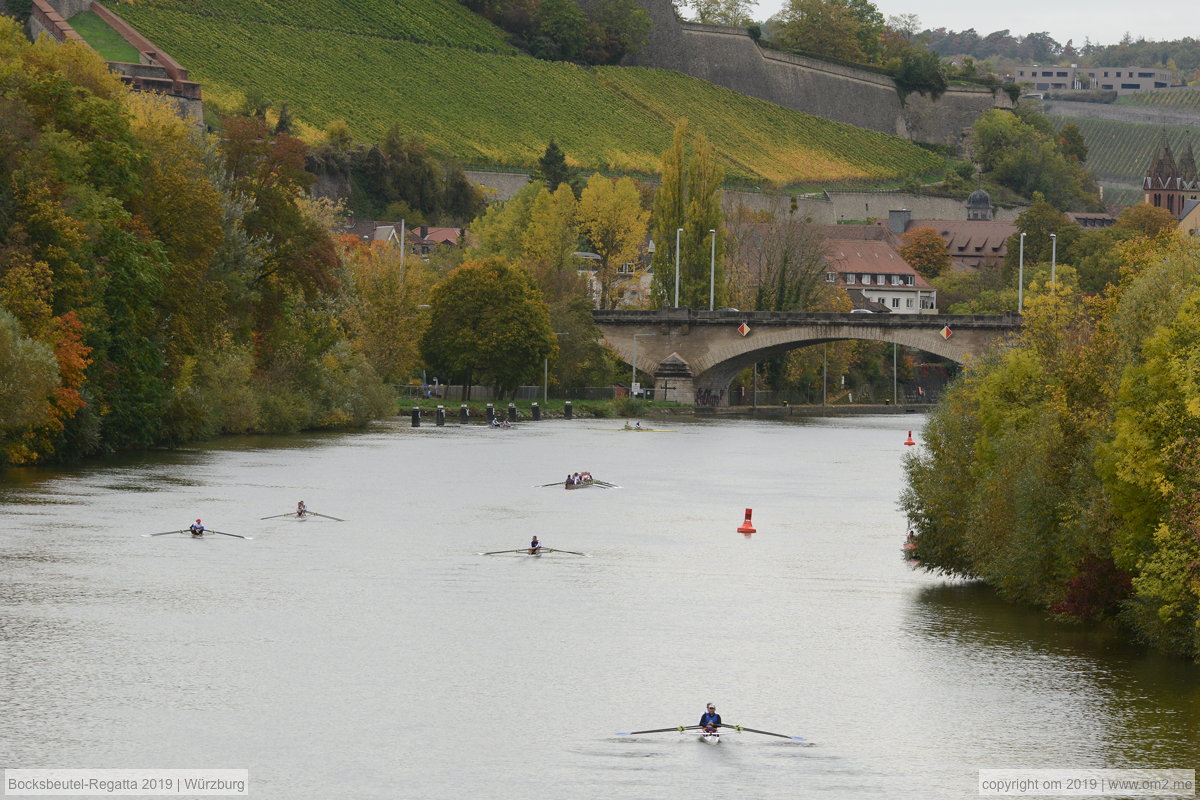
[(673, 380)]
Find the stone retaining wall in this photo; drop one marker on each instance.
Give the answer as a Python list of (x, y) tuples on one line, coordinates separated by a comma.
[(730, 58)]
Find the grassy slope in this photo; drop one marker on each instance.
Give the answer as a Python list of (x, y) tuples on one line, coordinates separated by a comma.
[(1183, 98), (1122, 151), (361, 61), (108, 43)]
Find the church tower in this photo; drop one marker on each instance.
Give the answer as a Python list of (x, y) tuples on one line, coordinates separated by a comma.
[(1169, 184)]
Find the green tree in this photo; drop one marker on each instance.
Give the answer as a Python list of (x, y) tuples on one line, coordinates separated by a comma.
[(488, 321), (667, 216), (828, 28), (1038, 222), (553, 171), (613, 222), (704, 219), (559, 31), (735, 13)]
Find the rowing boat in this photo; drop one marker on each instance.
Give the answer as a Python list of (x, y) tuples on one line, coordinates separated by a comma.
[(581, 485), (710, 737)]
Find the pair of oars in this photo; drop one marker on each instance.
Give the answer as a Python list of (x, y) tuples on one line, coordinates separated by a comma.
[(305, 514), (739, 728), (540, 550), (602, 484), (206, 530)]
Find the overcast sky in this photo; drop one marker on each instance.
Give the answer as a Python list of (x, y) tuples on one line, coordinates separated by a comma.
[(1105, 21)]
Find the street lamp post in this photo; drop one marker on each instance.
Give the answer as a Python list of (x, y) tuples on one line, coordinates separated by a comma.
[(1053, 259), (1021, 278), (677, 232), (712, 270), (633, 366)]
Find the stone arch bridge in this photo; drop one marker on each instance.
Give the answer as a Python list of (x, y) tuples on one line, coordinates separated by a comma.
[(694, 355)]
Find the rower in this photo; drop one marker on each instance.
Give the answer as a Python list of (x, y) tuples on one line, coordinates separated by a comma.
[(534, 546), (301, 509), (710, 720), (637, 426), (197, 528)]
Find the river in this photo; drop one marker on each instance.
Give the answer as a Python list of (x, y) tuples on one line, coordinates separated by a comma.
[(381, 657)]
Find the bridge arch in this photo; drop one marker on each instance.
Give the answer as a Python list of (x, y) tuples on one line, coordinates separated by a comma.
[(698, 353)]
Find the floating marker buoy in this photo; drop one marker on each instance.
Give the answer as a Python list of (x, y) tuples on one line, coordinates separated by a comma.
[(746, 526), (909, 441)]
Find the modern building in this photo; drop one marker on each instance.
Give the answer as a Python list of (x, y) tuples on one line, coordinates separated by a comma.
[(1122, 80), (1170, 184)]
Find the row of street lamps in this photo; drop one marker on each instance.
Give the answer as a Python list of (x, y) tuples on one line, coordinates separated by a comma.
[(1021, 270)]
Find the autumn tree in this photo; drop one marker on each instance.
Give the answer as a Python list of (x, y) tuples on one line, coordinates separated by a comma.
[(925, 251), (550, 240), (488, 322), (613, 222), (1144, 219)]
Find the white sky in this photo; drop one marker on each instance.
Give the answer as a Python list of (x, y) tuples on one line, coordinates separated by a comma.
[(1105, 21)]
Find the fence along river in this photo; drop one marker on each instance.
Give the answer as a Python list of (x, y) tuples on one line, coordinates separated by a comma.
[(381, 657)]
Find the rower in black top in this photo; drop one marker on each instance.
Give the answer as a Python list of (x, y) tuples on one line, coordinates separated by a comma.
[(710, 720)]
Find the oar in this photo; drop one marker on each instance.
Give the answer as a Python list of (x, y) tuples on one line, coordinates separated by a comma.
[(544, 485), (498, 552), (605, 484), (679, 728), (326, 516), (556, 550), (164, 533), (223, 533), (277, 516), (739, 728)]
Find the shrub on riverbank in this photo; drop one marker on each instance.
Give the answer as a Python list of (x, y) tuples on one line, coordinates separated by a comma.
[(1065, 471)]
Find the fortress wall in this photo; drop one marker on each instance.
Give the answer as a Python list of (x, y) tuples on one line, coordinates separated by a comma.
[(729, 57), (46, 18)]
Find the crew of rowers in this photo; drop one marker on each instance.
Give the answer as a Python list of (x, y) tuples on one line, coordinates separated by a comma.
[(496, 423), (576, 478), (637, 426)]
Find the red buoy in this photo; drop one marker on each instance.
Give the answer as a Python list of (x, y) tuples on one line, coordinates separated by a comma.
[(746, 526), (909, 441)]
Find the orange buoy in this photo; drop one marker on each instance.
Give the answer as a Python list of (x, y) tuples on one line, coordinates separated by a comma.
[(746, 526), (909, 441)]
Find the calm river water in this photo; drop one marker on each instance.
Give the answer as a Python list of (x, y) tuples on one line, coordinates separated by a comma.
[(382, 658)]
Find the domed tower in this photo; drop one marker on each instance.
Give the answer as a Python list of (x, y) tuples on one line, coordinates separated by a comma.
[(979, 206)]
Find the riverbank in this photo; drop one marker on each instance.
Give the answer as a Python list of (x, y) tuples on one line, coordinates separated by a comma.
[(644, 409)]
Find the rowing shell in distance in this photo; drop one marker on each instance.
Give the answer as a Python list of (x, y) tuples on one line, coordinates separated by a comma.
[(712, 737), (207, 532), (640, 430), (538, 552)]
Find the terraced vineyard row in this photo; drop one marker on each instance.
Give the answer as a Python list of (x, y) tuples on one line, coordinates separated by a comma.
[(1185, 97), (494, 109), (441, 22), (1122, 151)]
